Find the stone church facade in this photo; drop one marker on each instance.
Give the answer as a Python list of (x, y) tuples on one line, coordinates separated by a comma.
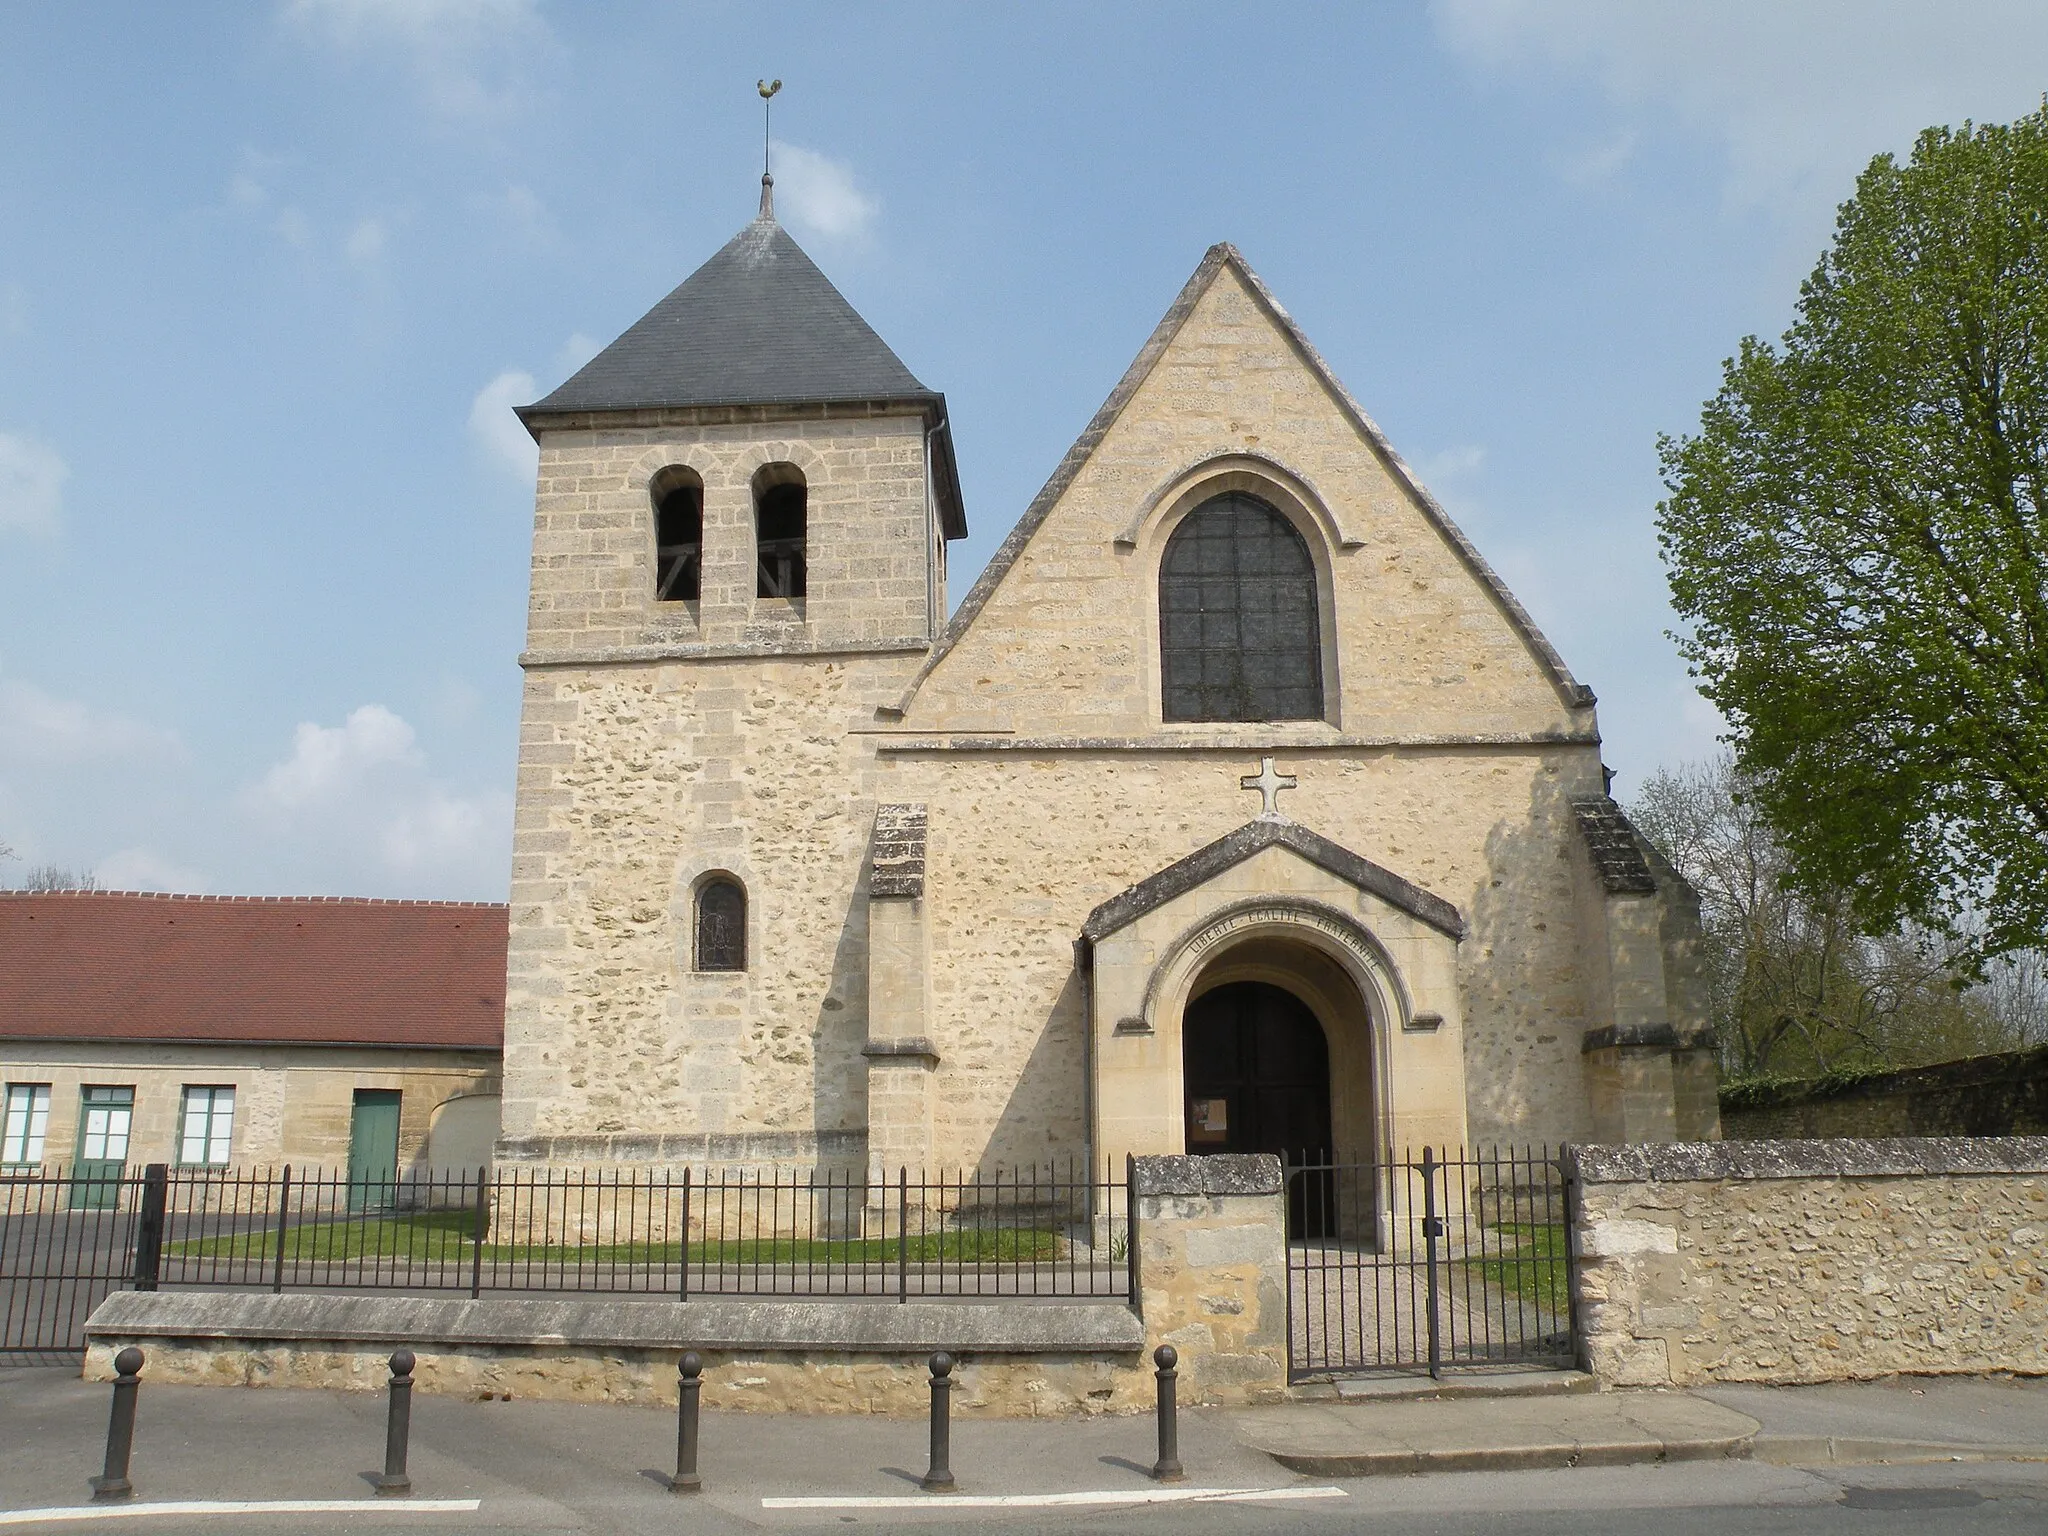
[(1239, 807)]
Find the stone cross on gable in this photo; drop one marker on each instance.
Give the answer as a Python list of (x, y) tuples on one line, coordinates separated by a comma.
[(1269, 784)]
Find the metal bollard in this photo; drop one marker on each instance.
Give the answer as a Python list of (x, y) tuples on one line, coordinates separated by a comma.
[(1167, 1468), (393, 1482), (691, 1369), (112, 1483), (940, 1478)]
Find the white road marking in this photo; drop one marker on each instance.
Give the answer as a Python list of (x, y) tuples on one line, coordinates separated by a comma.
[(1055, 1500), (242, 1507)]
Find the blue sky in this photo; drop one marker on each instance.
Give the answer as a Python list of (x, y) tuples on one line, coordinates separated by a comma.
[(271, 273)]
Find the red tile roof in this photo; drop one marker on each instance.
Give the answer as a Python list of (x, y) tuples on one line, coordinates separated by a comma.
[(122, 965)]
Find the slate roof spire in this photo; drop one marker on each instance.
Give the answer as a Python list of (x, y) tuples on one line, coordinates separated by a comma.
[(757, 324)]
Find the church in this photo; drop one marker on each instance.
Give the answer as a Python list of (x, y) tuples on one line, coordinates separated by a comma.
[(1238, 807)]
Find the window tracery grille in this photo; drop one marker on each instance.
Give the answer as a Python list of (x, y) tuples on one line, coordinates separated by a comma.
[(1240, 637), (721, 926)]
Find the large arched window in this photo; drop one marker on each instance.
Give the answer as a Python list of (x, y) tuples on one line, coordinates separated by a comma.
[(678, 497), (721, 925), (1239, 637), (781, 515)]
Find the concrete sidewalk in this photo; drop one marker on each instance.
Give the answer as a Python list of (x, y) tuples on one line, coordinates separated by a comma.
[(1494, 1434), (1899, 1420), (1526, 1422)]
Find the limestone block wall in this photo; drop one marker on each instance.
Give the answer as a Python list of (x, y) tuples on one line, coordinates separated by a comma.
[(1023, 844), (1066, 642), (664, 741), (292, 1102), (636, 781), (1810, 1261), (1212, 1272), (868, 541)]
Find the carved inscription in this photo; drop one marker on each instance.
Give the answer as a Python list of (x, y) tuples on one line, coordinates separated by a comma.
[(1253, 917)]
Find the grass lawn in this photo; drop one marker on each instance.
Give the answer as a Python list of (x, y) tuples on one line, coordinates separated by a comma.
[(1535, 1269), (444, 1237)]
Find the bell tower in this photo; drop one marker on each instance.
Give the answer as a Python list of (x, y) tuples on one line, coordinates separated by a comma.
[(739, 558), (748, 465)]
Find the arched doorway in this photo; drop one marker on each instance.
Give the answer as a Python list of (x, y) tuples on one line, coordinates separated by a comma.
[(1256, 1065)]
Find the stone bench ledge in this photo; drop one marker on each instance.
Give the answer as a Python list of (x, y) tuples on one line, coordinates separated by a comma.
[(862, 1327)]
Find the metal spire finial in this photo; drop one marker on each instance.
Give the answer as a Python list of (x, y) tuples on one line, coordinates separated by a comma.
[(767, 88)]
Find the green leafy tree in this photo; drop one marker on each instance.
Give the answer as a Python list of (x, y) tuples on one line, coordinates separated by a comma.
[(1795, 987), (1856, 536)]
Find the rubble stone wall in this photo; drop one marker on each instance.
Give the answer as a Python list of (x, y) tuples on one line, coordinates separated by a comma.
[(1811, 1261)]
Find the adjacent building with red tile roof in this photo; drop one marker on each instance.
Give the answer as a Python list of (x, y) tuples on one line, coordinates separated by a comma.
[(137, 1027)]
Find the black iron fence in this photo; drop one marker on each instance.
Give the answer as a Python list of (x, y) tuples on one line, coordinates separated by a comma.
[(1429, 1262), (1052, 1233)]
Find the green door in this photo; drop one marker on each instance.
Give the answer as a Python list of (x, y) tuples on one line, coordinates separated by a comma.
[(373, 1149), (105, 1116)]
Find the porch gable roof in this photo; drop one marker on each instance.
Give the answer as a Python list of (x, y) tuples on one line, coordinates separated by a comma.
[(1204, 864)]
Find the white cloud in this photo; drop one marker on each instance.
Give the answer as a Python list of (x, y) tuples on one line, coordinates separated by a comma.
[(820, 196), (495, 428), (328, 763), (1591, 163), (576, 351), (1800, 95), (523, 209), (1452, 464), (365, 245), (359, 796), (464, 56), (143, 869), (294, 228), (38, 727), (32, 476)]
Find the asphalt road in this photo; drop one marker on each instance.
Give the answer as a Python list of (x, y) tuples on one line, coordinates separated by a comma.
[(549, 1467)]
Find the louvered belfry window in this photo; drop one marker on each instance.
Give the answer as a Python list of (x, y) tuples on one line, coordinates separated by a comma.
[(1239, 636), (721, 926)]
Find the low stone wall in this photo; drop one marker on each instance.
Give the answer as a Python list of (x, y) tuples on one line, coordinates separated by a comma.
[(1810, 1261), (2005, 1095), (1211, 1235), (1016, 1361)]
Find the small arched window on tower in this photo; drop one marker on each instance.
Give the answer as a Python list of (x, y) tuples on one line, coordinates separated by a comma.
[(780, 521), (721, 925), (1239, 632), (678, 497)]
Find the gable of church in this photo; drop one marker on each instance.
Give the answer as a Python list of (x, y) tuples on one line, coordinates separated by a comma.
[(1061, 636)]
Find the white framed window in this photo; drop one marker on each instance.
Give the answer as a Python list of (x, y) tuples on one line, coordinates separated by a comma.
[(26, 1124), (206, 1128)]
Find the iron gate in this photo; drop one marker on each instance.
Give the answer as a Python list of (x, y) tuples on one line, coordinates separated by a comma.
[(67, 1241), (1429, 1263)]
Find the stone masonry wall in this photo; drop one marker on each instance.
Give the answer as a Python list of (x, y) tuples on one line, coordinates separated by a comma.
[(1212, 1271), (664, 741), (2002, 1095), (1810, 1261), (292, 1102), (866, 536)]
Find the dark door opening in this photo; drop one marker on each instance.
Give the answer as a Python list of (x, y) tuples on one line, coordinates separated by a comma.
[(1257, 1070)]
